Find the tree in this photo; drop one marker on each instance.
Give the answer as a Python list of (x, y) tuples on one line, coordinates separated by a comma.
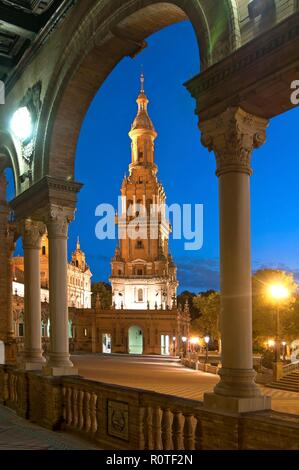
[(189, 297), (105, 292), (264, 308), (208, 305)]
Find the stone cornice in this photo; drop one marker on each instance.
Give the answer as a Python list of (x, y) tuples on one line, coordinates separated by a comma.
[(238, 79), (35, 201)]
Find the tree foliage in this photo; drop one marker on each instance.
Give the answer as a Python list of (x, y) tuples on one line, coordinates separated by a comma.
[(265, 309), (105, 292), (207, 323)]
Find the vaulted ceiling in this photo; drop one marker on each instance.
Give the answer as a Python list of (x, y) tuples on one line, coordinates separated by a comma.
[(22, 23)]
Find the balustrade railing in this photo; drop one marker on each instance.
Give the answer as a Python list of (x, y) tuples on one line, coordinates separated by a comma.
[(13, 389), (288, 368), (151, 422)]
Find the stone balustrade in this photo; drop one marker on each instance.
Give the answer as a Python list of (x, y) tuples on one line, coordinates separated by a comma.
[(121, 418)]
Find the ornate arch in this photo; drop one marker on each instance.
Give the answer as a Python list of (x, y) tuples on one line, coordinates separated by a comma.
[(105, 35), (10, 158)]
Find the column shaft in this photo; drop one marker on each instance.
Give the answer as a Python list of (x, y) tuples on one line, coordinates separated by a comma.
[(233, 136), (33, 358), (235, 268), (59, 355), (59, 362)]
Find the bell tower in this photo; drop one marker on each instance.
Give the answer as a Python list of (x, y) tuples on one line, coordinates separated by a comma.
[(143, 272)]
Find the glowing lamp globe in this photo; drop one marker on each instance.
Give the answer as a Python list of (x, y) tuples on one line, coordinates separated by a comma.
[(207, 339), (278, 292), (21, 124), (194, 340)]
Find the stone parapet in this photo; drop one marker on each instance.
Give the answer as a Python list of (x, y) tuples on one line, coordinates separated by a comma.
[(123, 418)]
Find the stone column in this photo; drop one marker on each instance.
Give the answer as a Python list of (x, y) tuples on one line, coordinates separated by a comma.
[(233, 136), (57, 221), (32, 233), (7, 246)]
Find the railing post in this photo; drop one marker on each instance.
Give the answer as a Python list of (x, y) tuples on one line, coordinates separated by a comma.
[(167, 420), (189, 437), (178, 431), (157, 416), (141, 428)]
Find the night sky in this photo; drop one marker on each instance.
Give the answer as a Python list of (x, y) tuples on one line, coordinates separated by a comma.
[(186, 169)]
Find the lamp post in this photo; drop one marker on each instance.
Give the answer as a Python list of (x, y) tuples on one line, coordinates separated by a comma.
[(278, 293), (174, 345), (207, 341), (284, 344), (184, 340)]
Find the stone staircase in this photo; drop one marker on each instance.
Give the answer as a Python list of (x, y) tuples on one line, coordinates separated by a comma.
[(289, 382)]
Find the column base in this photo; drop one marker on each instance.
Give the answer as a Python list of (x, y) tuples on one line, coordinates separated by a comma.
[(31, 361), (28, 366), (214, 402), (51, 371)]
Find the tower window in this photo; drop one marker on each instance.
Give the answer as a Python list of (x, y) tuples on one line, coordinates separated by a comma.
[(21, 329), (44, 251), (139, 244), (140, 295), (77, 263), (140, 156)]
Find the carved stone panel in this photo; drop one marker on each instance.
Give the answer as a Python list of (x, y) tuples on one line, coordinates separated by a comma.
[(118, 420)]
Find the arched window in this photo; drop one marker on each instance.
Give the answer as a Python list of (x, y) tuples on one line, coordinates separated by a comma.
[(139, 244), (44, 251), (21, 330), (140, 295)]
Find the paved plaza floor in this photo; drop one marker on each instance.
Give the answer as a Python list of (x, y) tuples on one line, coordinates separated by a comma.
[(164, 376), (18, 434)]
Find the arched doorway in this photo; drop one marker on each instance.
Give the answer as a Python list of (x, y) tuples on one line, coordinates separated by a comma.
[(135, 340)]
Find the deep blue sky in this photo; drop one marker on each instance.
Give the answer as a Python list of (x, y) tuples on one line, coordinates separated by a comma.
[(186, 169)]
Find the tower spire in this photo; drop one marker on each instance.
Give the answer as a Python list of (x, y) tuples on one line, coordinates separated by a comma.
[(142, 82)]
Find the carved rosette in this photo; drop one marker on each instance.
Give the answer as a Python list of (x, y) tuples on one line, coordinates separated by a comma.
[(233, 136), (32, 232), (58, 220)]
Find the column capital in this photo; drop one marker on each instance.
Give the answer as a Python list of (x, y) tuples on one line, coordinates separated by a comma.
[(58, 219), (233, 135), (31, 231)]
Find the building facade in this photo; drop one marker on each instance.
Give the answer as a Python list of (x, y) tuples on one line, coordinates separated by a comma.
[(143, 272), (78, 277)]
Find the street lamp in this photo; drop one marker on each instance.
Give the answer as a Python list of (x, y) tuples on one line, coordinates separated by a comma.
[(184, 340), (278, 293), (207, 341), (194, 342), (284, 350)]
